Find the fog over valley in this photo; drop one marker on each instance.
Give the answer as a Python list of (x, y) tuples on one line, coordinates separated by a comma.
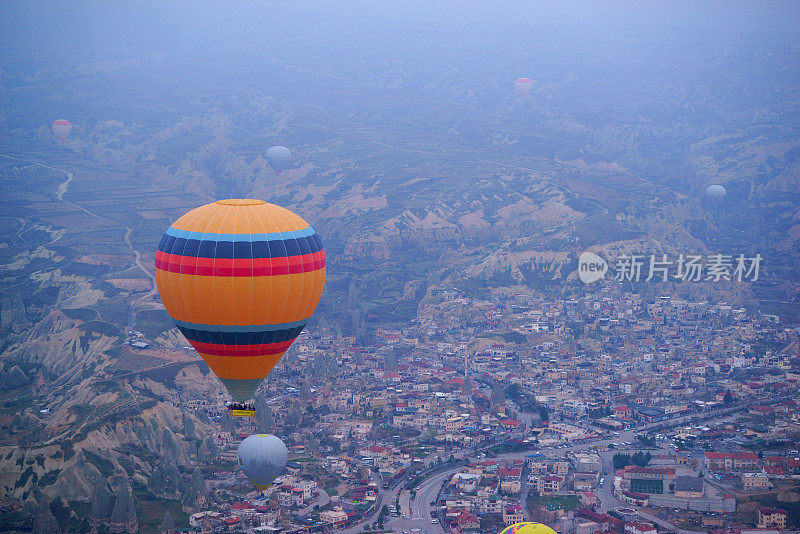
[(413, 266)]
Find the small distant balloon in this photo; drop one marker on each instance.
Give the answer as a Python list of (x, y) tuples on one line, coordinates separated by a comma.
[(279, 158), (523, 86), (716, 192), (262, 458), (62, 128)]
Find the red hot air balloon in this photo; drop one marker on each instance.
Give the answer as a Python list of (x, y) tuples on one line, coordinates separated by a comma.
[(62, 128), (523, 86)]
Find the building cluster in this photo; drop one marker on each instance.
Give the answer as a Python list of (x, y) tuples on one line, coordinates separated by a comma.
[(708, 382)]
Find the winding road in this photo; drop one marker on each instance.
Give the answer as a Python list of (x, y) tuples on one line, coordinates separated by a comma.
[(60, 192), (137, 259), (428, 490)]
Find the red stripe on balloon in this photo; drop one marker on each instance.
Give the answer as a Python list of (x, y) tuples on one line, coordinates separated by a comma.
[(263, 349), (302, 263)]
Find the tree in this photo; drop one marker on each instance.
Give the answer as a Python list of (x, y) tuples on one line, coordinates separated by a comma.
[(621, 460), (513, 391), (544, 413), (641, 459), (498, 395), (646, 440), (293, 417), (728, 398)]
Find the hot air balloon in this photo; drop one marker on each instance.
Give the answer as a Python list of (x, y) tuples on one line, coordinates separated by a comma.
[(279, 158), (528, 528), (62, 128), (241, 278), (523, 86), (715, 192), (262, 457)]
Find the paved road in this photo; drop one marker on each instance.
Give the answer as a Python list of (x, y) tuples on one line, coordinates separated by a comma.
[(405, 503), (322, 500), (606, 493), (420, 507), (523, 493), (665, 525)]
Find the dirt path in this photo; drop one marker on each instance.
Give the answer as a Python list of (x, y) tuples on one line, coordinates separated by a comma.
[(137, 259)]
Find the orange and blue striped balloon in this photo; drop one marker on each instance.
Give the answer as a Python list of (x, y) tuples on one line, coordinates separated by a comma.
[(241, 278)]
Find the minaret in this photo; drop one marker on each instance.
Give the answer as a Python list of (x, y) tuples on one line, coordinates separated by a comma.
[(466, 369)]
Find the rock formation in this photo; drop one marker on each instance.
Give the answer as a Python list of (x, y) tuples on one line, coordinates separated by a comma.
[(123, 515), (166, 481), (77, 482), (44, 522), (101, 505), (195, 494), (13, 378)]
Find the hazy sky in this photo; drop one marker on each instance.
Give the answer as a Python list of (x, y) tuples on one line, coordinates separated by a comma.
[(74, 31)]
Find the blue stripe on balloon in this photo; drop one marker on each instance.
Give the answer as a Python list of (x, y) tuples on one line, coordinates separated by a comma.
[(210, 236), (240, 338), (242, 328), (209, 248)]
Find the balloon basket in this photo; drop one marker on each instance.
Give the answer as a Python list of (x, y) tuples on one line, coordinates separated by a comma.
[(241, 410)]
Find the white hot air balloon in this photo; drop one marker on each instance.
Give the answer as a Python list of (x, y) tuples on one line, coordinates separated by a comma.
[(62, 128), (279, 157), (262, 458), (716, 192)]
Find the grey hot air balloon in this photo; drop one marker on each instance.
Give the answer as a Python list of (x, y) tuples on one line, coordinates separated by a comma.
[(262, 458), (716, 192), (279, 157)]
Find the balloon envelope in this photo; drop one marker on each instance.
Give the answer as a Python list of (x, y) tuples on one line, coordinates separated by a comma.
[(262, 458), (716, 192), (279, 157), (523, 86), (62, 128), (528, 528), (241, 278)]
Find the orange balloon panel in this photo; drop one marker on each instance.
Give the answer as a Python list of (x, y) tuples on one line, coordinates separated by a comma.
[(241, 278)]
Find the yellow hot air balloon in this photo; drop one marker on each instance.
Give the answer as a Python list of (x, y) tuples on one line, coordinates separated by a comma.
[(240, 278), (528, 528)]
